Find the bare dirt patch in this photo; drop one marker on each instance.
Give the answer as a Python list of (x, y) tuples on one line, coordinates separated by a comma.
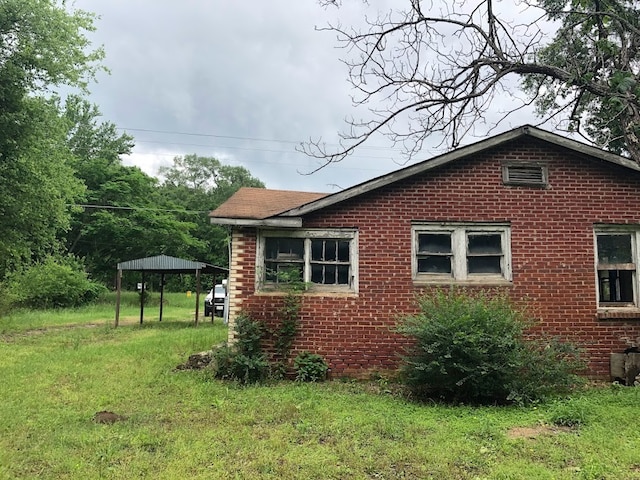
[(107, 417), (537, 431)]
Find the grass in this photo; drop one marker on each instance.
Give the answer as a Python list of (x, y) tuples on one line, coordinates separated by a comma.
[(183, 424)]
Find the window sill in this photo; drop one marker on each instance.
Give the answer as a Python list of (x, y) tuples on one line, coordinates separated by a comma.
[(308, 293), (620, 313), (477, 282)]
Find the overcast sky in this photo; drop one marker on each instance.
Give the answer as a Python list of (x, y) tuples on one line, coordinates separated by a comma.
[(240, 81)]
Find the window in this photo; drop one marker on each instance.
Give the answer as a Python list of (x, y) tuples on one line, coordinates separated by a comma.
[(473, 253), (324, 259), (616, 267)]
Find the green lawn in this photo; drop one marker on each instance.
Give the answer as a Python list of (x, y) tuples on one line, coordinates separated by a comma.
[(182, 424)]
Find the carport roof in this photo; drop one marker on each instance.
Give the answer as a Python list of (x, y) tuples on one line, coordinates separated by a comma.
[(167, 264)]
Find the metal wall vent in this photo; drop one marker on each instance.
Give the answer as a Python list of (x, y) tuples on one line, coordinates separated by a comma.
[(525, 174)]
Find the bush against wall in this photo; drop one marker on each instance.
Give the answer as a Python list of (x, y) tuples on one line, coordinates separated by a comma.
[(55, 282), (310, 367), (244, 361), (473, 347)]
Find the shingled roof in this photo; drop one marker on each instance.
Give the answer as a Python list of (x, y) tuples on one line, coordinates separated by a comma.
[(258, 203)]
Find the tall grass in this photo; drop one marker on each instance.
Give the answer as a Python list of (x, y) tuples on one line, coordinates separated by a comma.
[(183, 424)]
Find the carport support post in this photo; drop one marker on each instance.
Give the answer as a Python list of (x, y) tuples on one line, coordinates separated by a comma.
[(118, 286), (161, 294), (198, 295), (142, 299)]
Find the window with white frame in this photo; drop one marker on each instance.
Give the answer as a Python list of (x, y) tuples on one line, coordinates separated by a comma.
[(616, 259), (456, 252), (326, 260)]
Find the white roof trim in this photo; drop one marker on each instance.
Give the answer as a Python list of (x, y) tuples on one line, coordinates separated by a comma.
[(455, 155), (288, 222)]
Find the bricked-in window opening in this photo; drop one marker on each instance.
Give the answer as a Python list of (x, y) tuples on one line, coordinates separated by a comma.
[(473, 253), (525, 174), (326, 260), (616, 269)]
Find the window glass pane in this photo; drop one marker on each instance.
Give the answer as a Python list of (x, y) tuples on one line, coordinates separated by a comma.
[(434, 264), (330, 274), (434, 243), (330, 250), (484, 244), (614, 249), (484, 265), (284, 248), (343, 251), (316, 249), (616, 285), (343, 274), (317, 273)]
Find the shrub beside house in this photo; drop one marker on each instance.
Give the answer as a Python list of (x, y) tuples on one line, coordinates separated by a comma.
[(552, 222)]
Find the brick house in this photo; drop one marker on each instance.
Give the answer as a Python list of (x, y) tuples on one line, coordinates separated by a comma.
[(553, 221)]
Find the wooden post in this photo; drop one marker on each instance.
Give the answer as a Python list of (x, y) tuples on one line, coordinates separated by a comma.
[(142, 299), (198, 295), (118, 286), (161, 294)]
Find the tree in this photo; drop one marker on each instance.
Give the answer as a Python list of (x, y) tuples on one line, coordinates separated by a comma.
[(42, 46), (199, 185), (437, 70), (36, 189)]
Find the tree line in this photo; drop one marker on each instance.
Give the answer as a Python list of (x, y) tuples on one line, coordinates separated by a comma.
[(71, 210)]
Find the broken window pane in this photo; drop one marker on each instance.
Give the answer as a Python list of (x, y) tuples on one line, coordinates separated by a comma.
[(616, 286), (343, 251), (284, 248)]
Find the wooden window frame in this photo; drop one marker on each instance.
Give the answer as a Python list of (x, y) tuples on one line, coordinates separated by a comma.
[(308, 235), (459, 253)]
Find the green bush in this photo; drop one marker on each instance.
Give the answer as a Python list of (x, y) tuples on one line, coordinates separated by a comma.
[(53, 283), (244, 360), (472, 347), (310, 367)]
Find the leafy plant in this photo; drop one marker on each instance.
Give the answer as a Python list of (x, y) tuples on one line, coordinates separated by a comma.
[(473, 347), (310, 367), (244, 360), (289, 315), (55, 282)]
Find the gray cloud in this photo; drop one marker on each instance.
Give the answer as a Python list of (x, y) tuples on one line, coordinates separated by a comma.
[(256, 70)]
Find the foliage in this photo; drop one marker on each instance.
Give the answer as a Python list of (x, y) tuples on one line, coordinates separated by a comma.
[(244, 360), (36, 185), (198, 185), (435, 71), (53, 283), (595, 54), (472, 347), (310, 367), (289, 315), (55, 380)]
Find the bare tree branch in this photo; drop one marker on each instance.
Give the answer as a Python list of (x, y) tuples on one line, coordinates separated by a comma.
[(423, 74)]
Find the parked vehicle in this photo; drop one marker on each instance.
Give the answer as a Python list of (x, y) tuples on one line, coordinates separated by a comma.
[(214, 301)]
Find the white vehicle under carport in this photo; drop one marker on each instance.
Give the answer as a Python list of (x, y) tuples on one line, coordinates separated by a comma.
[(215, 300)]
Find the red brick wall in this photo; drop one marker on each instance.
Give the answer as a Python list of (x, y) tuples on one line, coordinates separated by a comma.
[(551, 241)]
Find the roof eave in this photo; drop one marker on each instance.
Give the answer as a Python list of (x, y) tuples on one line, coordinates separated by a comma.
[(456, 154), (288, 222)]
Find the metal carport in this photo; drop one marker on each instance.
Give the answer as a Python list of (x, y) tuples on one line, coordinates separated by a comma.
[(163, 264)]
